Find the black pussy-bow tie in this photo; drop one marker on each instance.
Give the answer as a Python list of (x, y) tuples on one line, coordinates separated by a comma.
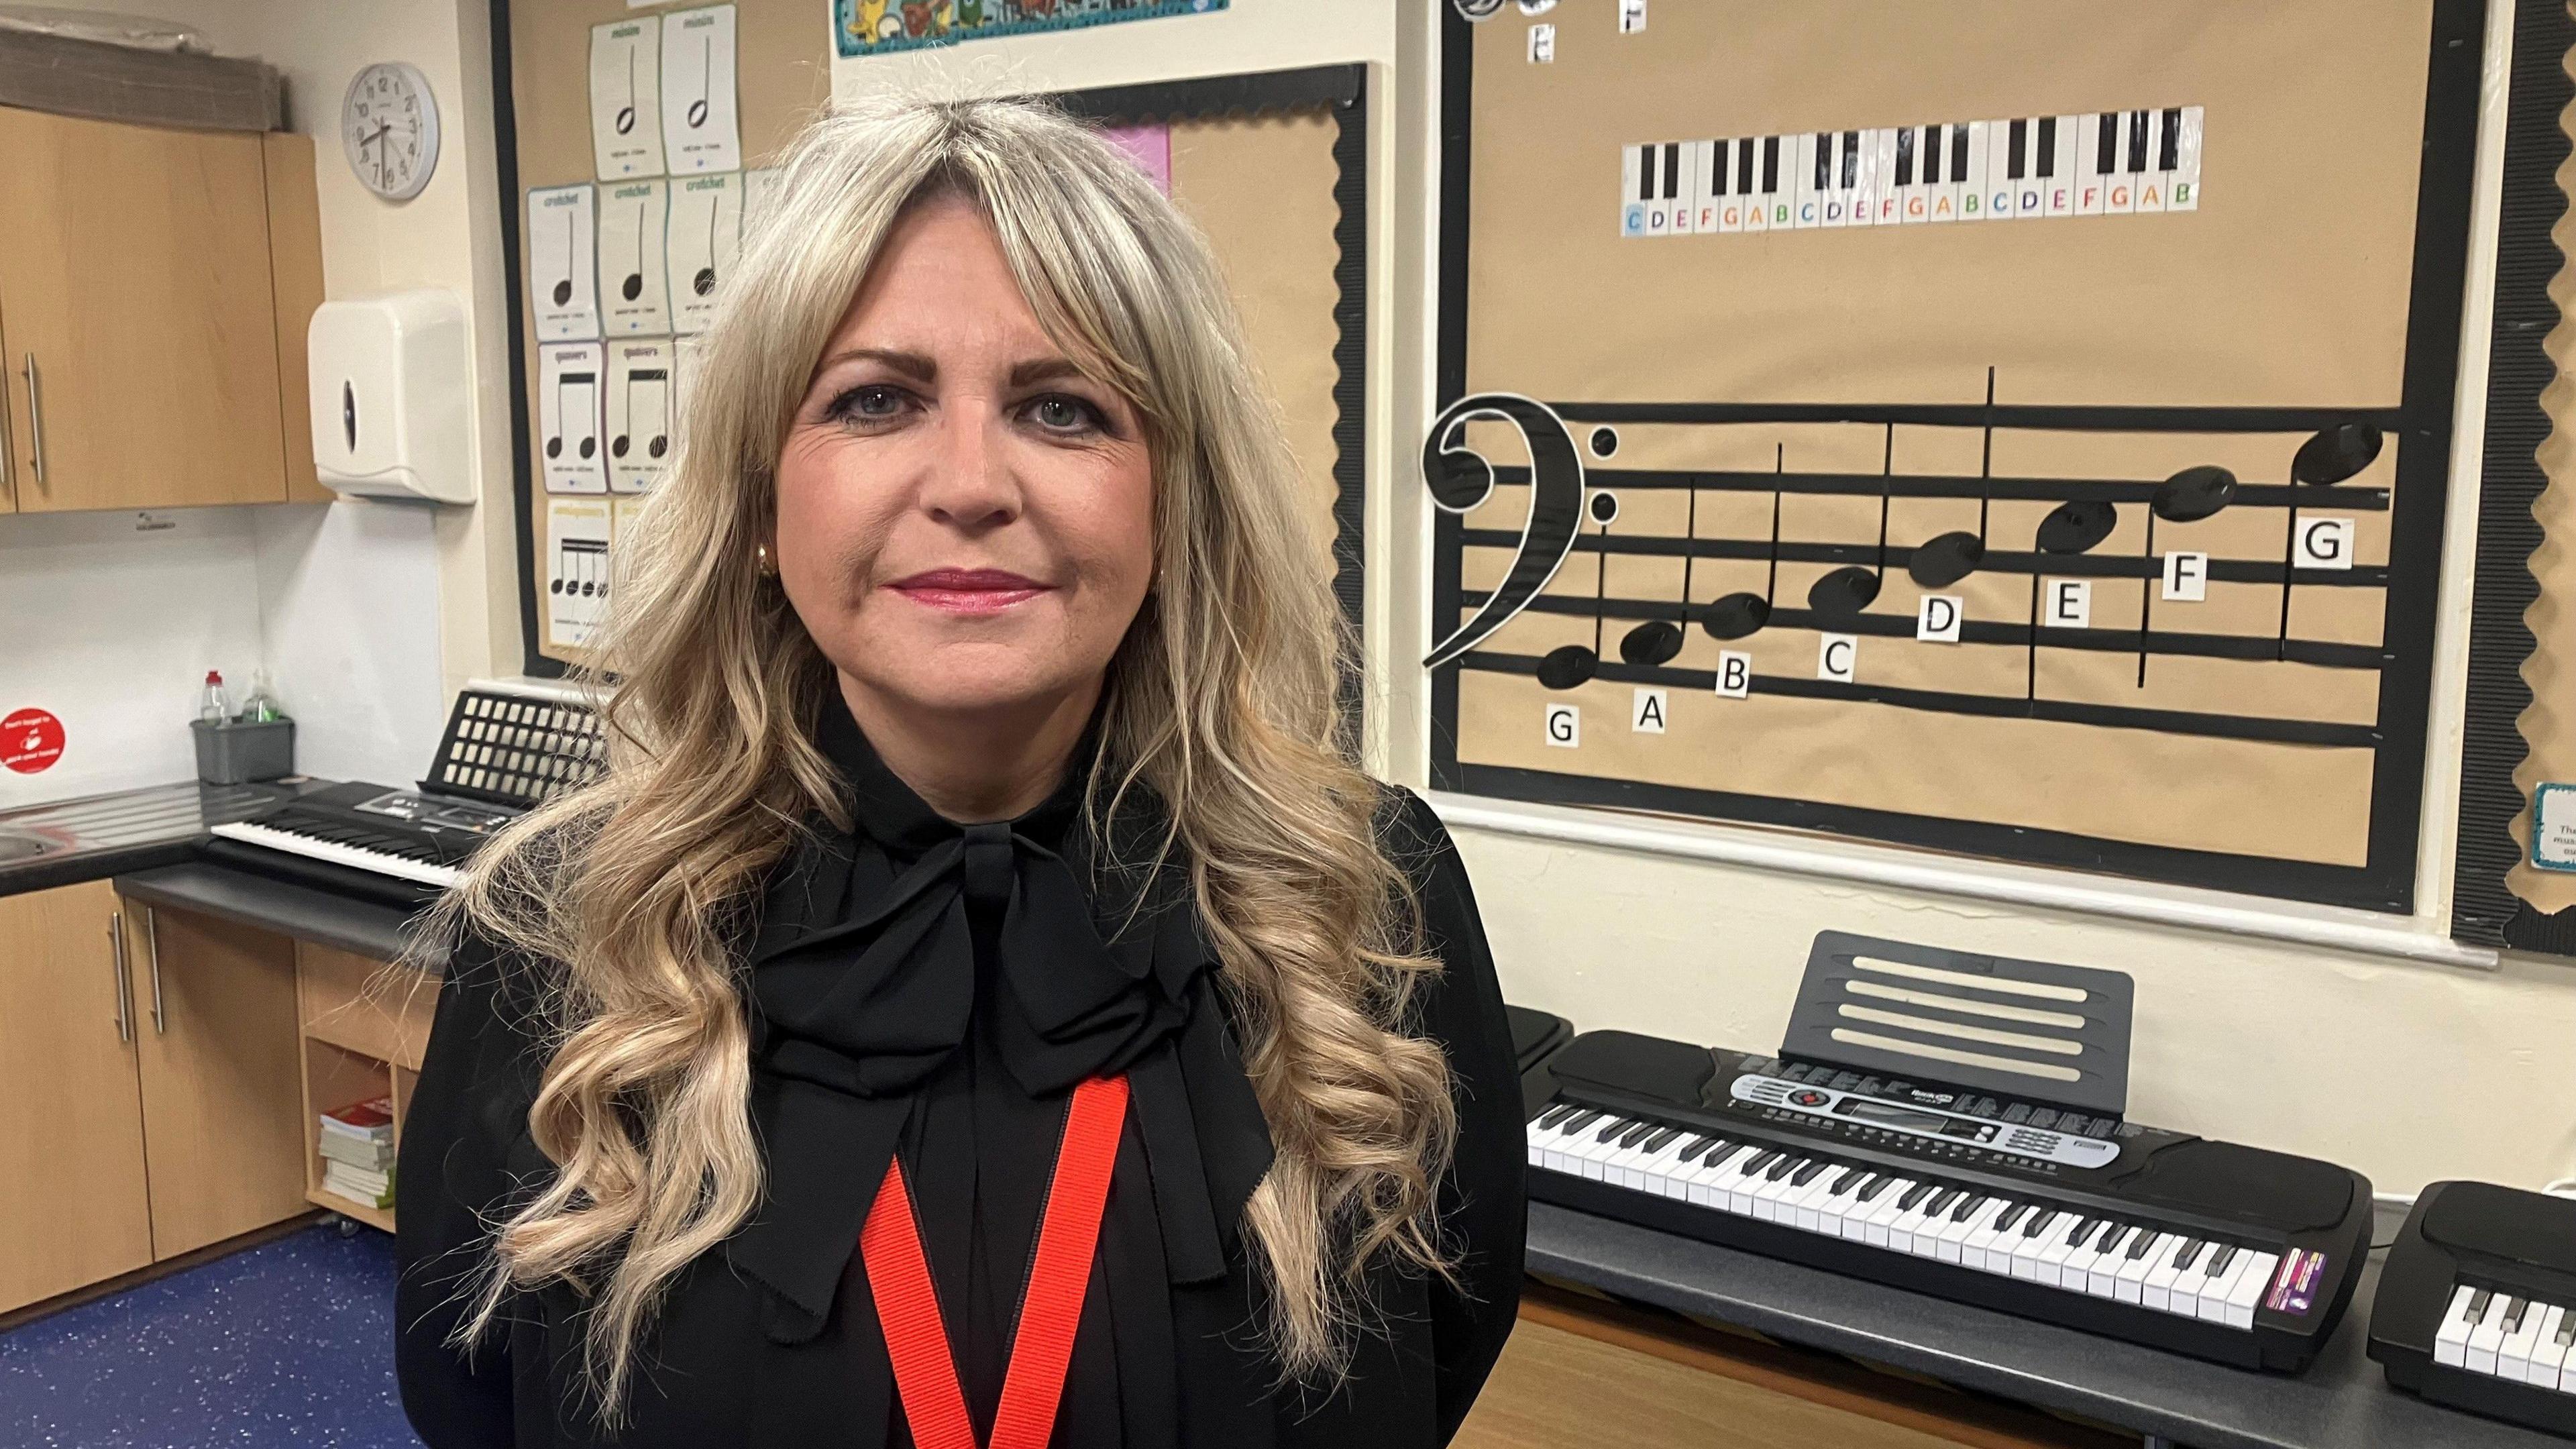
[(864, 981), (872, 1002)]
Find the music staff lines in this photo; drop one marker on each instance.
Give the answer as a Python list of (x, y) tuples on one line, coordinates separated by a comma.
[(2164, 721), (2043, 417), (1956, 486), (2015, 633), (2097, 566)]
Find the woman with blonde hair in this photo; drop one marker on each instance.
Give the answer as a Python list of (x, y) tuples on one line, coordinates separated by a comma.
[(983, 1003)]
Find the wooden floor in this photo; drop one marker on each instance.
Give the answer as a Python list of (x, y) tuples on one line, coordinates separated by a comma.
[(1585, 1373)]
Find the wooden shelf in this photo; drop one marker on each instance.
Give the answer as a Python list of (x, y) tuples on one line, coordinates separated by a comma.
[(381, 1219)]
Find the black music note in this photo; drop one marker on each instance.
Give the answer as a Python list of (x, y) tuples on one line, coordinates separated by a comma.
[(2072, 527), (572, 227), (2187, 497), (626, 113), (1656, 641), (1460, 479), (590, 442), (1741, 615), (660, 442), (2324, 460), (706, 278), (1846, 591), (634, 286), (706, 72), (1568, 665), (1953, 556)]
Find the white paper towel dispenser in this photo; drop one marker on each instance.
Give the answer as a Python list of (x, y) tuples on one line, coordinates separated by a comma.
[(390, 396)]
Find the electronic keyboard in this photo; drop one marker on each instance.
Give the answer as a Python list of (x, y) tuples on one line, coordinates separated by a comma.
[(2223, 1252), (503, 752), (2477, 1304)]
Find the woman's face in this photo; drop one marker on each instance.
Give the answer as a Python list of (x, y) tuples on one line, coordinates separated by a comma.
[(965, 522)]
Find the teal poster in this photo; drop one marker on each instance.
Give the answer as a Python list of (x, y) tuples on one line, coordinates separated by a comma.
[(880, 27)]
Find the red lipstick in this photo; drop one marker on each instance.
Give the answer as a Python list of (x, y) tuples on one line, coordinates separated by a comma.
[(969, 591)]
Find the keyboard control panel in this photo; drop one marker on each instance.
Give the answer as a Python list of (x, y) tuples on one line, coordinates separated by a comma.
[(1906, 1119)]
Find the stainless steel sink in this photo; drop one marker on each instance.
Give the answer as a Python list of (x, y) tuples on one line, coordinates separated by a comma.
[(16, 847)]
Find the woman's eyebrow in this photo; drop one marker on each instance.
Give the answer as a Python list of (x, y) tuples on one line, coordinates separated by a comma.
[(1043, 369), (911, 364)]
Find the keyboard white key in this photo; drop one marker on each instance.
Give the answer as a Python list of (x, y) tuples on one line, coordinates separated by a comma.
[(2513, 1356), (2221, 1287), (2130, 1285), (2061, 1246), (2553, 1359), (2451, 1341), (2160, 1281), (307, 846), (2248, 1293), (2488, 1335)]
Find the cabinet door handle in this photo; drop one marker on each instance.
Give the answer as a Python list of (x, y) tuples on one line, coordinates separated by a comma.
[(152, 944), (116, 968), (36, 419)]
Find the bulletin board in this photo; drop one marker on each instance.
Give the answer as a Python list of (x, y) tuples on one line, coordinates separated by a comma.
[(623, 218), (2514, 880), (1856, 418)]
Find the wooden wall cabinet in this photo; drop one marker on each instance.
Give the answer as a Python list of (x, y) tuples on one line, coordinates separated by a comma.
[(150, 1064), (155, 286)]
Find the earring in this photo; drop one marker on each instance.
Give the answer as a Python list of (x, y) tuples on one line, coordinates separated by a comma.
[(761, 561)]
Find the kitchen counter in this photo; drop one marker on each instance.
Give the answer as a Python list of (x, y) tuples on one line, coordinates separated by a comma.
[(66, 842), (378, 932)]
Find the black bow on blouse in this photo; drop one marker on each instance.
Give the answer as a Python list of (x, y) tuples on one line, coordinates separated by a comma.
[(863, 982)]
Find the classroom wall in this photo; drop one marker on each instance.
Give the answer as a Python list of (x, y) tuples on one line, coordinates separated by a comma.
[(448, 236), (2409, 1069)]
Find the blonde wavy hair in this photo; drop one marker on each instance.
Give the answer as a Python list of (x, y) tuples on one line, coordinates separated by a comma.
[(634, 891)]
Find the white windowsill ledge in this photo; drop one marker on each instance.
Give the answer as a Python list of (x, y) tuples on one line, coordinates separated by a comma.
[(2204, 910)]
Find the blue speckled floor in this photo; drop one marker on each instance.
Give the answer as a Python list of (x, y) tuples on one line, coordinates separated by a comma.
[(291, 1343)]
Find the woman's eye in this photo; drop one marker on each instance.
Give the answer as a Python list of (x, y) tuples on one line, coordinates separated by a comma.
[(1060, 414), (873, 403)]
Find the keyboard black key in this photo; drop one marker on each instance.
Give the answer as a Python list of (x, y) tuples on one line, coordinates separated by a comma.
[(1824, 160), (2106, 143), (2169, 154), (1612, 1128), (1581, 1120), (2118, 1239), (1969, 1206), (1637, 1134), (2567, 1328), (2040, 1221), (1787, 1164), (1878, 1185), (1851, 178), (2137, 140), (2047, 157), (2478, 1304), (1718, 168), (1696, 1146), (2145, 1240), (2011, 1217), (1672, 169), (1844, 1179), (1944, 1201), (1761, 1161), (1770, 165), (1717, 1150), (1661, 1139), (1556, 1114), (2512, 1315), (1744, 187), (2226, 1255), (1959, 152), (1904, 177), (2018, 150), (1808, 1173), (1914, 1196), (2190, 1254), (1931, 153)]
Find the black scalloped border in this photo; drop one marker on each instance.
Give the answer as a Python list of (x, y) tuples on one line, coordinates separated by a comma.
[(2483, 910)]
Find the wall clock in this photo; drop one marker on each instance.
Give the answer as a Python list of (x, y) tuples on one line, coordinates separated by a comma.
[(389, 128)]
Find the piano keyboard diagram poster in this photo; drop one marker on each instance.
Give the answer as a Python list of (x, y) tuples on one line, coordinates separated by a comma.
[(2098, 529)]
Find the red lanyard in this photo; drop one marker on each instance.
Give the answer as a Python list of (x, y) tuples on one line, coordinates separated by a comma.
[(908, 1307)]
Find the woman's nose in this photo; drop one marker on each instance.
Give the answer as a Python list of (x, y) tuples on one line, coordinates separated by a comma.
[(971, 483)]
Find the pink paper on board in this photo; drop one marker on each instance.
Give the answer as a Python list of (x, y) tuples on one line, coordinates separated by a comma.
[(1150, 147)]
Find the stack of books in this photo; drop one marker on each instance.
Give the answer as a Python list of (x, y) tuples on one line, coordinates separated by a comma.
[(357, 1143)]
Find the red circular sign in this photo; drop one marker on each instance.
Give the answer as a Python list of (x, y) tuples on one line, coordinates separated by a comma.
[(30, 740)]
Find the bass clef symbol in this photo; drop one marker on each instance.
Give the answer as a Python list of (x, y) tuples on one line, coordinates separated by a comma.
[(1460, 479)]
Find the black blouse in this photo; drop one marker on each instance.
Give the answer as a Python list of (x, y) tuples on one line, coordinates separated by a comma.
[(935, 991)]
